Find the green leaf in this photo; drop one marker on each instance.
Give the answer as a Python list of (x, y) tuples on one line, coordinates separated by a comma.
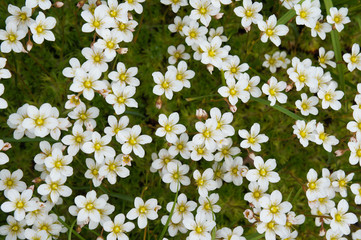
[(254, 236), (279, 108), (287, 16)]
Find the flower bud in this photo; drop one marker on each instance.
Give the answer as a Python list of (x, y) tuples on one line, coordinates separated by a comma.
[(130, 16), (322, 232), (58, 4), (159, 103), (248, 28), (210, 68), (289, 87), (340, 152), (248, 214), (89, 127), (122, 50), (201, 114), (218, 16), (29, 45), (353, 139), (80, 3), (6, 147), (37, 180), (31, 187), (233, 108), (100, 238), (252, 156)]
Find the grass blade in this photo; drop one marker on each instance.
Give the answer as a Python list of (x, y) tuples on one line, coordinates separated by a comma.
[(71, 228), (279, 108), (287, 16), (170, 215)]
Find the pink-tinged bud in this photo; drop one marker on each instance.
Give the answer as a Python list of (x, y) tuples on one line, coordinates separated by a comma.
[(29, 45), (122, 50), (353, 139), (218, 16), (32, 187), (159, 103), (78, 228), (130, 16), (248, 28), (210, 68), (6, 146), (340, 152), (98, 2), (157, 208), (100, 238), (252, 156), (37, 180), (201, 114), (58, 4), (89, 127), (322, 232), (80, 3), (248, 214), (289, 87), (243, 171), (233, 108)]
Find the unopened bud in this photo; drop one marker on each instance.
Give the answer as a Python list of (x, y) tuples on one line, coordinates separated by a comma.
[(29, 45), (243, 171), (80, 3), (340, 152), (100, 238), (159, 103), (252, 156), (201, 114), (58, 4), (37, 180), (248, 28), (210, 68), (218, 16), (122, 50), (6, 147), (322, 232), (289, 87), (89, 127), (233, 108), (130, 16), (248, 214), (98, 2), (78, 229), (31, 187)]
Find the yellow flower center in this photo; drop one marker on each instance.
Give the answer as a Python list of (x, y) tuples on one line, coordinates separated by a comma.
[(132, 141), (271, 225), (142, 210), (122, 26), (303, 14), (251, 140), (97, 58), (338, 217), (206, 134), (83, 116), (303, 134), (337, 19), (323, 136), (262, 172), (269, 32), (322, 59), (9, 183), (180, 146), (120, 99), (249, 13), (79, 139), (15, 228), (225, 151), (203, 10), (116, 229), (168, 128), (274, 209), (20, 204), (39, 121), (232, 91), (89, 206), (182, 209), (165, 85), (272, 92), (321, 200), (44, 227), (207, 206), (58, 164), (353, 59), (175, 175), (358, 152), (96, 23), (233, 69), (39, 29), (342, 183), (97, 146), (23, 16), (312, 185), (199, 229), (95, 171), (179, 77), (200, 182), (192, 34), (113, 13), (166, 160), (211, 53), (302, 78), (288, 224), (87, 84), (200, 150), (304, 106), (177, 55), (256, 194), (54, 186), (112, 167), (328, 97), (110, 44)]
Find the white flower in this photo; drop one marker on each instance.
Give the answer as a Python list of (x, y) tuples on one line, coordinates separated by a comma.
[(356, 189), (116, 127), (41, 28), (97, 21), (200, 227), (207, 206), (174, 174), (173, 228), (203, 10), (207, 134), (320, 29), (3, 157), (316, 188), (113, 167), (124, 75), (121, 96), (323, 80), (76, 140), (178, 24), (84, 116), (234, 170), (86, 82), (307, 105), (10, 180), (14, 229), (176, 4), (11, 38), (204, 181), (96, 59), (93, 171), (232, 67), (272, 62), (274, 209), (98, 146), (325, 139), (263, 173), (194, 33), (338, 17), (273, 89), (226, 233), (118, 12), (43, 4), (183, 208), (132, 141), (126, 30), (169, 127), (166, 84), (355, 148), (223, 121), (304, 131), (36, 235), (302, 76), (54, 188), (57, 164), (180, 146), (225, 150), (218, 31), (20, 204), (252, 138), (307, 14), (109, 42), (341, 181), (182, 74), (213, 53), (89, 207), (40, 120), (161, 162), (199, 151), (234, 91), (330, 97), (134, 5), (22, 17), (353, 60), (143, 211), (249, 13), (341, 219), (257, 191), (271, 30), (325, 58), (177, 53), (118, 228)]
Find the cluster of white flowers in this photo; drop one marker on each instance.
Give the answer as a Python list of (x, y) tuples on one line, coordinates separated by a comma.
[(212, 142)]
